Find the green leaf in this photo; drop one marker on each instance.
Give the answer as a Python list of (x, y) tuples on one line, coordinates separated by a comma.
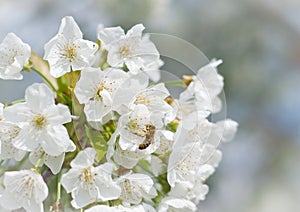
[(172, 126), (98, 142)]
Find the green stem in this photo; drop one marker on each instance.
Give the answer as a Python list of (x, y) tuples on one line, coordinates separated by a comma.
[(16, 101), (45, 78), (58, 187), (178, 83), (38, 162)]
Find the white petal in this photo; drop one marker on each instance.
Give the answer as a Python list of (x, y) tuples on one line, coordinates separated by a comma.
[(227, 129), (39, 96), (70, 179), (59, 69), (110, 35), (143, 180), (7, 200), (127, 159), (83, 198), (54, 162), (26, 139), (69, 28), (86, 87), (130, 87), (14, 54), (17, 113), (56, 140), (34, 207), (102, 208), (86, 54), (95, 110), (58, 114), (84, 158), (136, 30)]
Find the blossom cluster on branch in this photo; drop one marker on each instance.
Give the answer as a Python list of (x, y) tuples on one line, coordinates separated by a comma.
[(103, 132)]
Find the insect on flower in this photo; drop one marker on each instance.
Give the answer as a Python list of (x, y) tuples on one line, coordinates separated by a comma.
[(149, 136)]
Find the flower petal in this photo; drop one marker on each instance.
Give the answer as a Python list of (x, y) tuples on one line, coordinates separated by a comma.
[(58, 114), (54, 162), (69, 28), (70, 179), (56, 140), (110, 35), (84, 158), (17, 113), (39, 96)]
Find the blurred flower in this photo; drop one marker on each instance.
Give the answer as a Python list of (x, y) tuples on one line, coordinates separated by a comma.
[(135, 187), (176, 205), (119, 208), (8, 132), (14, 54), (25, 189)]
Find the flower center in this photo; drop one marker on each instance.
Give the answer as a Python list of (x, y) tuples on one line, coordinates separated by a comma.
[(39, 121), (8, 57), (70, 51), (87, 176), (134, 127), (24, 187), (125, 51), (127, 186), (141, 100), (99, 90)]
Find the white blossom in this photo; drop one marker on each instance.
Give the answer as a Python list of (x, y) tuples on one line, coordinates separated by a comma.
[(193, 193), (132, 49), (158, 167), (176, 205), (165, 142), (185, 161), (41, 122), (158, 151), (87, 183), (206, 86), (68, 50), (133, 128), (135, 187), (8, 132), (119, 208), (152, 69), (53, 162), (125, 158), (96, 89), (14, 54), (154, 98), (226, 129), (25, 188), (129, 89)]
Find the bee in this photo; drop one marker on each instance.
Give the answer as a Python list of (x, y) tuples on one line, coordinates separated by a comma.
[(149, 136)]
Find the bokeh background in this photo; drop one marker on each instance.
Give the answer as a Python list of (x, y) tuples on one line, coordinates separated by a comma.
[(259, 41)]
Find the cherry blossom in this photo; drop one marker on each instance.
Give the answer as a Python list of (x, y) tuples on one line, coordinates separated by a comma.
[(25, 188), (14, 54), (67, 50)]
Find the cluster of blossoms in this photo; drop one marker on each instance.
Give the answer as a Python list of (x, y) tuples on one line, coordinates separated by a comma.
[(104, 128)]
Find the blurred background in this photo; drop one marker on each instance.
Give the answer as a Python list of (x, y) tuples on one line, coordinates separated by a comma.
[(259, 42)]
